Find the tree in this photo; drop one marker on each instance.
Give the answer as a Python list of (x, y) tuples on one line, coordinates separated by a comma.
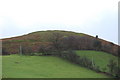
[(56, 40)]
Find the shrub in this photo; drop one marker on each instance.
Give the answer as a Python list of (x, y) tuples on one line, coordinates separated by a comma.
[(4, 51), (86, 62), (97, 68), (114, 69), (27, 50), (72, 56), (111, 66), (46, 50)]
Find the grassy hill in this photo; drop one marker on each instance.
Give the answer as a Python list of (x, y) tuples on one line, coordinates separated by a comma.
[(35, 39), (101, 59), (16, 66)]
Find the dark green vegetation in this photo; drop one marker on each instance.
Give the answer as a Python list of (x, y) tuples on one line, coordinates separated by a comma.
[(16, 66)]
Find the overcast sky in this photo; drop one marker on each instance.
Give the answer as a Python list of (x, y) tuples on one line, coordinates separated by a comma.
[(93, 17)]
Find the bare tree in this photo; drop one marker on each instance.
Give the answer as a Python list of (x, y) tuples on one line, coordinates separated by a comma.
[(56, 40)]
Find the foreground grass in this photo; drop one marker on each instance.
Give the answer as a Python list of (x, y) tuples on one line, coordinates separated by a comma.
[(15, 66), (101, 59)]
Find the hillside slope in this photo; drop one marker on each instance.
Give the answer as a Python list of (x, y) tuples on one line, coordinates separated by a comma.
[(16, 66), (35, 39), (40, 36), (101, 59)]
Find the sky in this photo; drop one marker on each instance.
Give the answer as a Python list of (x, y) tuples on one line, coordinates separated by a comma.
[(93, 17)]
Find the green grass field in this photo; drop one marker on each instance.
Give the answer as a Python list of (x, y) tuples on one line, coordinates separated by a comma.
[(101, 59), (16, 66)]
